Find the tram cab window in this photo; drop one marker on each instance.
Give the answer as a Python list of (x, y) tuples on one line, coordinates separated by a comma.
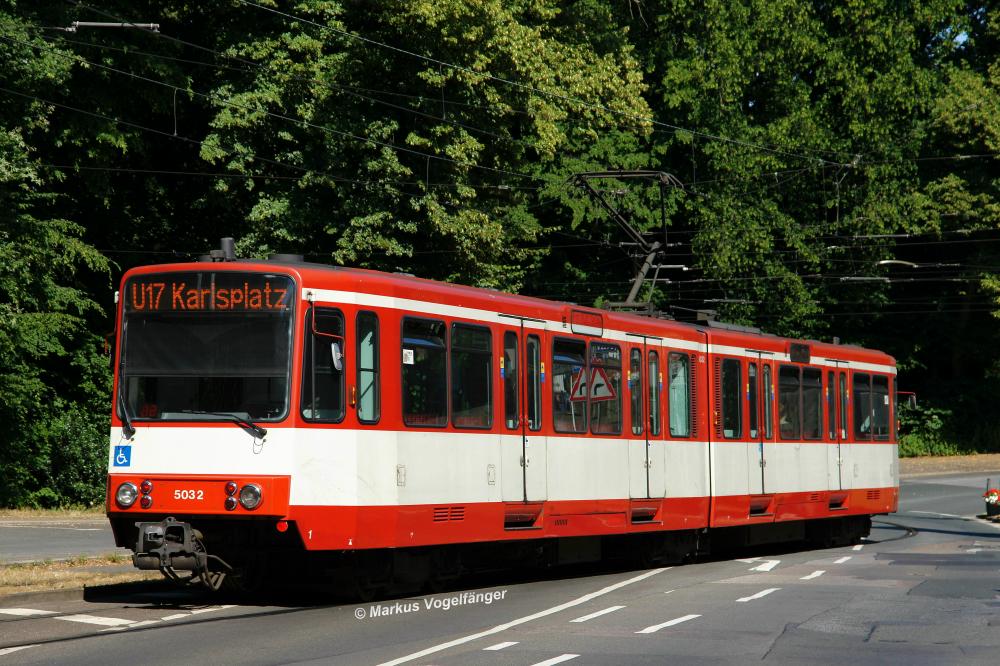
[(425, 378), (789, 421), (844, 404), (471, 376), (635, 389), (570, 386), (732, 426), (880, 407), (680, 394), (369, 390), (605, 389), (768, 403), (812, 403), (323, 366)]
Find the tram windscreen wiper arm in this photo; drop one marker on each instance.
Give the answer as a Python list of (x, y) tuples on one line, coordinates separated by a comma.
[(255, 429), (127, 428)]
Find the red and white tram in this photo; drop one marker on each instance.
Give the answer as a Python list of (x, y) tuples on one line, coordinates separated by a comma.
[(274, 408)]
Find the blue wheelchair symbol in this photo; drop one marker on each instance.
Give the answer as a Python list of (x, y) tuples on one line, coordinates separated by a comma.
[(123, 456)]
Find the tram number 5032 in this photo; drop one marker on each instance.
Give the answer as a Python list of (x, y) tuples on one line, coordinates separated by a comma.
[(189, 494)]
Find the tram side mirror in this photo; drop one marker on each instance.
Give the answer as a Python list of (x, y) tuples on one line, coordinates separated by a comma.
[(337, 356)]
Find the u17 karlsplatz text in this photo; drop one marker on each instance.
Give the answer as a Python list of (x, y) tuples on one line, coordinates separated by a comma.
[(430, 603)]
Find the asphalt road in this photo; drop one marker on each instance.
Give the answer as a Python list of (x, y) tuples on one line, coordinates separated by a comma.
[(924, 589), (33, 540)]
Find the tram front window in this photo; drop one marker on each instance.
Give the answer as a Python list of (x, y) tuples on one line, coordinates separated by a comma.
[(201, 346)]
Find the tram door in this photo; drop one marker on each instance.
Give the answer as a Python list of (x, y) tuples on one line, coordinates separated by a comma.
[(760, 412), (523, 447), (646, 449), (837, 405)]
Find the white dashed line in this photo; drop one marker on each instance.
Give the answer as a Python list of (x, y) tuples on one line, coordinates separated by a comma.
[(500, 646), (134, 625), (175, 617), (94, 619), (209, 609), (16, 648), (25, 612), (841, 560), (858, 547), (814, 574), (669, 591), (523, 620), (766, 565), (556, 660), (669, 623), (935, 513), (762, 593), (597, 614)]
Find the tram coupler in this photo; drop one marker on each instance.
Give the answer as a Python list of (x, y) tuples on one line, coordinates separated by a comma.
[(169, 544)]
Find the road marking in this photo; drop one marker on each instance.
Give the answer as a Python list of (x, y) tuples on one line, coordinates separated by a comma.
[(522, 620), (95, 619), (767, 565), (597, 614), (762, 593), (814, 574), (841, 560), (134, 625), (858, 547), (668, 623), (748, 561), (556, 660), (935, 513), (669, 591), (973, 551), (174, 617), (500, 646), (25, 611), (16, 648), (209, 609)]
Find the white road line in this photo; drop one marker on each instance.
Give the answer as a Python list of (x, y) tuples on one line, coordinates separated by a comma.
[(814, 574), (25, 611), (935, 513), (500, 646), (668, 623), (95, 619), (597, 614), (522, 620), (209, 609), (747, 561), (766, 565), (858, 547), (134, 625), (556, 660), (841, 560), (762, 593), (669, 591), (16, 648), (174, 617)]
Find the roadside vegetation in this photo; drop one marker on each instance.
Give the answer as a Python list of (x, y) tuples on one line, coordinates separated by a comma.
[(867, 133), (69, 574)]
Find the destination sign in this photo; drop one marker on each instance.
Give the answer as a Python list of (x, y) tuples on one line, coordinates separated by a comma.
[(196, 292)]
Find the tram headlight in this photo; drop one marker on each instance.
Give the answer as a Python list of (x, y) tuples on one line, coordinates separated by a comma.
[(126, 494), (250, 496)]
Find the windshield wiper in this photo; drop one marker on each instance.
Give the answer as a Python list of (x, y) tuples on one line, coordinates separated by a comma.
[(127, 429), (246, 423)]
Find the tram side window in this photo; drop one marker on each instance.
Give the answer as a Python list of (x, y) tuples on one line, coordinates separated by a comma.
[(605, 389), (368, 368), (510, 373), (471, 376), (731, 416), (655, 387), (812, 403), (425, 378), (635, 389), (535, 378), (570, 386), (680, 395), (322, 382), (789, 421), (752, 398), (844, 402), (862, 406), (768, 403), (831, 406), (880, 407)]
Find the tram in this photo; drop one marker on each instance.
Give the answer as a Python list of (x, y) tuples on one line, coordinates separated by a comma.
[(270, 410)]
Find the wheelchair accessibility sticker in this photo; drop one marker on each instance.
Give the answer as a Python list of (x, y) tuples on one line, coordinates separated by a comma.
[(123, 456)]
